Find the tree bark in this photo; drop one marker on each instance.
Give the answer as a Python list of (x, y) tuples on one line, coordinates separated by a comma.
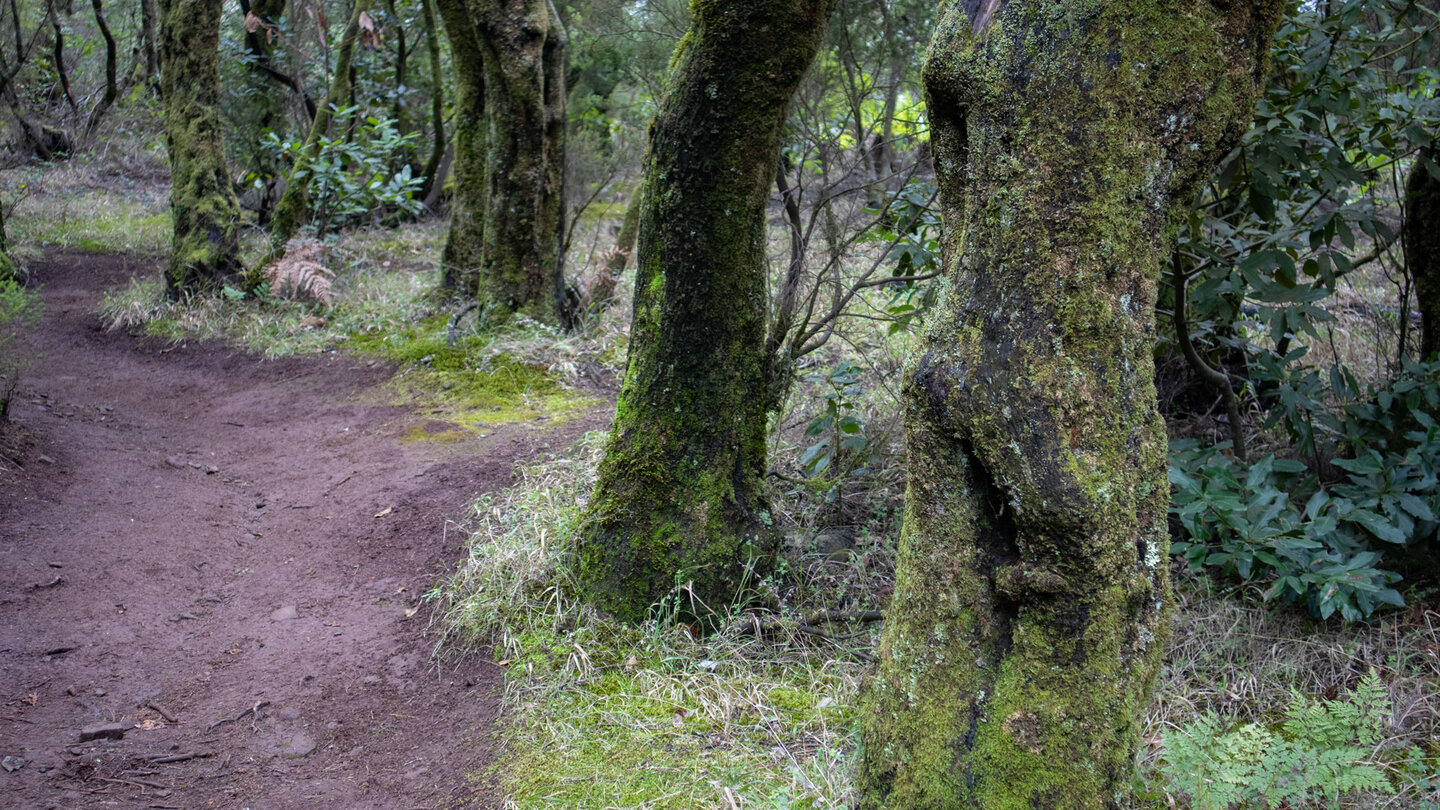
[(148, 16), (1421, 235), (7, 265), (205, 244), (680, 497), (57, 54), (294, 204), (1028, 618)]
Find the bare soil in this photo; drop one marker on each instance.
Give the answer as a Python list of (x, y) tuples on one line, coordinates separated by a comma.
[(224, 559)]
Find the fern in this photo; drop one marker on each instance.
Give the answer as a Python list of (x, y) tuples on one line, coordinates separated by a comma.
[(301, 273), (1320, 753)]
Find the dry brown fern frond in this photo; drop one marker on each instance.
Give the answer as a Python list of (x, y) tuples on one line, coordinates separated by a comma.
[(301, 274)]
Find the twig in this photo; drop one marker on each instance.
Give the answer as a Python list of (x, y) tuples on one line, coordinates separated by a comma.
[(174, 758), (160, 710), (135, 782)]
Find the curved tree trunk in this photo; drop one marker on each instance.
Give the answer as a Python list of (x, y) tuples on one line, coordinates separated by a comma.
[(1421, 236), (205, 244), (111, 69), (294, 204), (463, 254), (680, 497), (1028, 617)]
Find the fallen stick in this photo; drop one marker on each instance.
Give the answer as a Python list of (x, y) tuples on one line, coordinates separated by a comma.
[(160, 710), (170, 759)]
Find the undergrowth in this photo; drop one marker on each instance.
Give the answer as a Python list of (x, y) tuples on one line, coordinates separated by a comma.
[(604, 715)]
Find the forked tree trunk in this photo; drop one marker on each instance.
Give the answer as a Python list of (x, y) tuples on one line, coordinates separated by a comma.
[(508, 209), (1421, 236), (680, 496), (1028, 618), (111, 69), (205, 244)]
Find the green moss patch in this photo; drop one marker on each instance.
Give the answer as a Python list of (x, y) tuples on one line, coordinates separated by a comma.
[(466, 386)]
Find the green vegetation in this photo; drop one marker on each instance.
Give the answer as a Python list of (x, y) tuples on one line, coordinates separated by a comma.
[(19, 309)]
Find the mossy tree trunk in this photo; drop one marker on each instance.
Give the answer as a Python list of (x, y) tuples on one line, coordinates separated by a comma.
[(1421, 235), (294, 205), (205, 244), (680, 497), (463, 254), (1028, 617)]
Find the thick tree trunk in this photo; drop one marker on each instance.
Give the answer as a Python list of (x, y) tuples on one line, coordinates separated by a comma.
[(508, 209), (437, 100), (1028, 618), (294, 205), (463, 254), (680, 496), (148, 16), (524, 46), (205, 244), (1421, 235)]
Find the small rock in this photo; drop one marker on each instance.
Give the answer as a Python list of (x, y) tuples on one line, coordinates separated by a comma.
[(45, 460), (284, 614), (175, 462), (70, 690), (100, 692), (370, 680), (12, 764), (298, 746), (103, 731), (289, 713)]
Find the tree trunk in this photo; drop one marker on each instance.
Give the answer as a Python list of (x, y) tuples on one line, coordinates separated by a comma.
[(147, 38), (1028, 618), (111, 69), (680, 497), (1421, 235), (625, 240), (57, 54), (205, 243), (524, 52), (508, 209), (463, 255), (437, 101), (294, 204)]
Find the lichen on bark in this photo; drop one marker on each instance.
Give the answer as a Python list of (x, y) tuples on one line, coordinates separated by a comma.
[(205, 244), (680, 497), (1028, 617)]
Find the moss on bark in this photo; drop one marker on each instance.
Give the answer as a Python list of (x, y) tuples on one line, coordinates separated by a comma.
[(463, 253), (680, 497), (7, 265), (205, 245), (1027, 622), (1421, 234)]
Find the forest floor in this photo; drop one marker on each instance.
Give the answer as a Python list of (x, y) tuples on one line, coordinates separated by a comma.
[(214, 566)]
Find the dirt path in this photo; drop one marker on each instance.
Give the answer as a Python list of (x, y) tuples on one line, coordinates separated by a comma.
[(223, 558)]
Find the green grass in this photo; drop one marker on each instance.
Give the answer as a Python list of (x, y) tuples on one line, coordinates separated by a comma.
[(82, 206)]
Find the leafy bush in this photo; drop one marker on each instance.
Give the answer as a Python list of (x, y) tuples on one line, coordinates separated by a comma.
[(1321, 751), (19, 309), (1317, 530), (351, 175)]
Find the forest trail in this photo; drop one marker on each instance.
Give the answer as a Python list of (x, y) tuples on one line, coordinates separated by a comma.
[(241, 545)]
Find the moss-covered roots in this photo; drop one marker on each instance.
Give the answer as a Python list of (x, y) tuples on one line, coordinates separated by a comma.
[(504, 242), (1028, 616), (206, 243), (680, 498)]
